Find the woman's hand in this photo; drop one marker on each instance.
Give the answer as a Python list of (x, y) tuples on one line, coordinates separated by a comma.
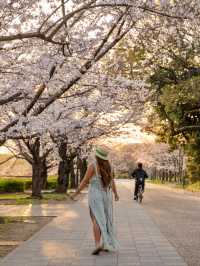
[(84, 182), (116, 197), (73, 196)]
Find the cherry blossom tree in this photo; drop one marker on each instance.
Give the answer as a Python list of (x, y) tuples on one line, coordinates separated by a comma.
[(56, 43), (52, 64)]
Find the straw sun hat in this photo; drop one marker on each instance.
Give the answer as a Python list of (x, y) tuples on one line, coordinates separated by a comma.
[(101, 153)]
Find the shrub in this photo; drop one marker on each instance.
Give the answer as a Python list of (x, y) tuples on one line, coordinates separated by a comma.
[(27, 184), (10, 185), (195, 187), (157, 181), (51, 184), (122, 176), (21, 184)]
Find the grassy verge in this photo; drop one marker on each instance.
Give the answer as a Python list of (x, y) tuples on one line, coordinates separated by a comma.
[(122, 176), (195, 187), (23, 198)]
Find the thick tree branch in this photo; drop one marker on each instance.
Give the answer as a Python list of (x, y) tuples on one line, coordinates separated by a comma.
[(27, 109), (7, 160), (35, 99), (40, 35), (11, 98), (84, 69)]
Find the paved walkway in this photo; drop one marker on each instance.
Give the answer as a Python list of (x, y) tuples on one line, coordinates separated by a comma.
[(67, 240)]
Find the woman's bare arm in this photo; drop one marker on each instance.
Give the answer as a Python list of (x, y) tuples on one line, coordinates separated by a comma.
[(114, 189), (85, 181)]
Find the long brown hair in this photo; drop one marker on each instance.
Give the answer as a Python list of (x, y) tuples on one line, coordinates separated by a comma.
[(105, 171)]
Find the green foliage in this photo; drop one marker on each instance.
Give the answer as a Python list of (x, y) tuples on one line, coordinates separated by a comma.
[(11, 186), (22, 184), (177, 90), (27, 184), (174, 77), (193, 160), (157, 181), (51, 183), (122, 176), (195, 187), (127, 58)]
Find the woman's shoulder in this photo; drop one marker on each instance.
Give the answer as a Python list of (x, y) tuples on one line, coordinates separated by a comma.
[(92, 166), (92, 162)]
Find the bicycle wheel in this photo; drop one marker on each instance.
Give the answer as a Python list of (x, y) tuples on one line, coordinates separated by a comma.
[(140, 194), (140, 197)]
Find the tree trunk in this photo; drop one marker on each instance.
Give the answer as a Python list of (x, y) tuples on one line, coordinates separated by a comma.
[(77, 170), (44, 173), (65, 168), (37, 169), (83, 167), (72, 176), (63, 177), (37, 180)]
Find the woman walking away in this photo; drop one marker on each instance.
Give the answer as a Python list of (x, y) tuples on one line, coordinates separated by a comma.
[(101, 185)]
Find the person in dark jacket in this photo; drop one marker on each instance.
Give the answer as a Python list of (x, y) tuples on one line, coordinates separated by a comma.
[(140, 175)]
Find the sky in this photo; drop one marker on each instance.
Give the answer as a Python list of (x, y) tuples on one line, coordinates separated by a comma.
[(4, 150), (130, 134)]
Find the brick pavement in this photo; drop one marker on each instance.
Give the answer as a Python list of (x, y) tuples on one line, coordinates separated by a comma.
[(68, 241)]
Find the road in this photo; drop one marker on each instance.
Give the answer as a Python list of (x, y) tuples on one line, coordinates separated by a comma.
[(178, 217)]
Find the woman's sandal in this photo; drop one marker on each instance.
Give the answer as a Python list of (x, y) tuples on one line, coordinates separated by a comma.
[(97, 251), (104, 249)]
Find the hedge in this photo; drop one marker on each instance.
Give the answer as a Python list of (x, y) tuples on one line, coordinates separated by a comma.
[(11, 186), (21, 184), (122, 176)]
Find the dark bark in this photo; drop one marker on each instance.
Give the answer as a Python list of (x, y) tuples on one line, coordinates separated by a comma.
[(27, 109), (39, 170), (73, 178), (44, 173), (63, 169), (37, 180), (83, 168), (63, 177)]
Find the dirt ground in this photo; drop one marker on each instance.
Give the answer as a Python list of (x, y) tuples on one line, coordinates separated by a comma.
[(15, 230)]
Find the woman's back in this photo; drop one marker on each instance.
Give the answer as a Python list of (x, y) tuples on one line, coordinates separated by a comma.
[(96, 180)]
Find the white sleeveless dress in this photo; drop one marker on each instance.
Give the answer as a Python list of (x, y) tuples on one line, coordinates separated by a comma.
[(101, 206)]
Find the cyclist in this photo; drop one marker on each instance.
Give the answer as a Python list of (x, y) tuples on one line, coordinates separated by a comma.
[(140, 175)]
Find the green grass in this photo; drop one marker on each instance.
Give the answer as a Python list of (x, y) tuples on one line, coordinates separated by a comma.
[(22, 198), (166, 183), (157, 181), (12, 191), (195, 187), (13, 196)]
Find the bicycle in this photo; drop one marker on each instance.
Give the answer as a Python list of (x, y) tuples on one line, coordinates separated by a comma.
[(140, 193)]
